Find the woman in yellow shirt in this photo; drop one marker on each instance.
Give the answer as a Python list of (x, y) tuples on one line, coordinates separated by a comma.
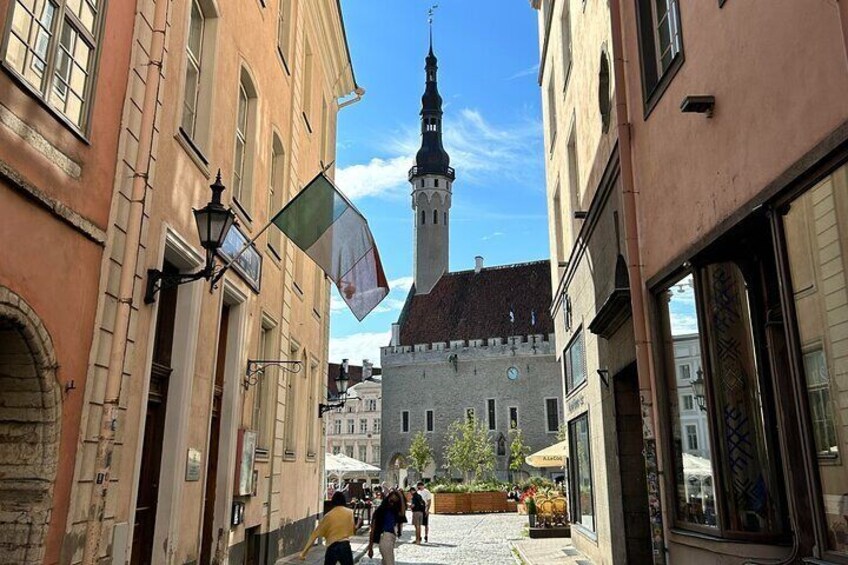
[(335, 527)]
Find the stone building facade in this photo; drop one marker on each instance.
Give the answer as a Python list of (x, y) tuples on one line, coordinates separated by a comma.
[(189, 453), (355, 429), (60, 118), (589, 274)]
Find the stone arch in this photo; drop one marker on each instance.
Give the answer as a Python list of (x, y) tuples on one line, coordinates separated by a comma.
[(30, 422)]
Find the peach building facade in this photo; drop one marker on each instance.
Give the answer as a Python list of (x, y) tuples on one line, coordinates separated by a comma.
[(63, 74), (191, 453)]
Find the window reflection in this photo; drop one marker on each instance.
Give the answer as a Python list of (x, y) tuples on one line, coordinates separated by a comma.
[(816, 230)]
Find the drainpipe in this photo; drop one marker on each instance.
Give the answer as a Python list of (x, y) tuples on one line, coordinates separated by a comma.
[(641, 332), (129, 266)]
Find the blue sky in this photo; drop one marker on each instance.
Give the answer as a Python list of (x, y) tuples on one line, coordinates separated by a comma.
[(488, 62)]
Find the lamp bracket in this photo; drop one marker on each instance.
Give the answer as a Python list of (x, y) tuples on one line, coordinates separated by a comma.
[(158, 280), (257, 366), (322, 408)]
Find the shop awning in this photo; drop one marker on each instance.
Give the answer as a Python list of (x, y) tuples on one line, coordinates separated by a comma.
[(553, 456)]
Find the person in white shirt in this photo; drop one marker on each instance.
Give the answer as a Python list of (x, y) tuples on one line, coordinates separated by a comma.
[(428, 500)]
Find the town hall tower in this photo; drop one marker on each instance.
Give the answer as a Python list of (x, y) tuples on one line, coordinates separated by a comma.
[(432, 180)]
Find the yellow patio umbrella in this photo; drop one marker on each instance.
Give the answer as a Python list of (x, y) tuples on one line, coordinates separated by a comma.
[(552, 456)]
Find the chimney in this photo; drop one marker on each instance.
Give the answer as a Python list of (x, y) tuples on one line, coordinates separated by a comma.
[(395, 334), (478, 264)]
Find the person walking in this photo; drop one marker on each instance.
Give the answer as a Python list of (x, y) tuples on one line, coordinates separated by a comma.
[(418, 506), (385, 526), (428, 501), (336, 527)]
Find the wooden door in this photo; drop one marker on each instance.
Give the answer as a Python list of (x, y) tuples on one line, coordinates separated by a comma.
[(207, 543), (147, 496)]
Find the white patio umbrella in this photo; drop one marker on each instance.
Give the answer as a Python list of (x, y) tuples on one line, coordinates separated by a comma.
[(341, 466), (551, 457)]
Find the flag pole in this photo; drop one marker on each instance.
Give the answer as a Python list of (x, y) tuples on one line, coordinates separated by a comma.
[(228, 264)]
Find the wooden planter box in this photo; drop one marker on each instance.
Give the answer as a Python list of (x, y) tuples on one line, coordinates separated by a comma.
[(469, 503), (555, 532)]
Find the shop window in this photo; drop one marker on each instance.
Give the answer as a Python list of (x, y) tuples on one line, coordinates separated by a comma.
[(816, 235), (580, 473), (733, 488), (575, 366)]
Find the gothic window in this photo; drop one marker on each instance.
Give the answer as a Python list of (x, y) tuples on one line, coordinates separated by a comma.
[(423, 217), (435, 216), (446, 218)]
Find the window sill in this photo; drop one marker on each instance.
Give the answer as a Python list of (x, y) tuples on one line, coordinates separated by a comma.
[(577, 389), (275, 256), (653, 98), (59, 116), (297, 290), (193, 151), (553, 145), (711, 541), (289, 456), (316, 314), (585, 532), (306, 121), (263, 455), (283, 61), (242, 213)]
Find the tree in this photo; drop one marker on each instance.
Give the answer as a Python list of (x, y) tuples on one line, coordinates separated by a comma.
[(469, 449), (420, 453), (518, 450)]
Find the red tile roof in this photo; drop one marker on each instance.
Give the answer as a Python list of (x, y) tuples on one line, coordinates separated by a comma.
[(354, 373), (468, 305)]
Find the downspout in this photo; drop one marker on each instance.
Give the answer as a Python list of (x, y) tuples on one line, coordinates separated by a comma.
[(129, 266), (641, 331)]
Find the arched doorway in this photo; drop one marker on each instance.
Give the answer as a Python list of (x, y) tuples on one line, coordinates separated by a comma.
[(30, 409), (398, 471)]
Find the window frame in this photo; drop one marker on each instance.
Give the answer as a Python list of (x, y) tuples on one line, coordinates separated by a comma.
[(276, 194), (517, 417), (570, 386), (42, 94), (491, 414), (196, 61), (285, 30), (548, 415), (653, 91), (404, 421), (429, 421), (574, 463)]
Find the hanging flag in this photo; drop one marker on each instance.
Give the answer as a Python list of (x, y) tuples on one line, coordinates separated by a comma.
[(533, 318), (328, 228)]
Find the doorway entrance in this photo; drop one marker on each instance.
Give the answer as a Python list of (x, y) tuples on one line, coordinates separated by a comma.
[(207, 544), (631, 462), (30, 410), (147, 496)]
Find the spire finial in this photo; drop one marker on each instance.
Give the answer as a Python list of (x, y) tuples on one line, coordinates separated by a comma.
[(430, 13)]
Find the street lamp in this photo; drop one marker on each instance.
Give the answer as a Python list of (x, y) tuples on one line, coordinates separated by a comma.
[(699, 387), (342, 381), (213, 223)]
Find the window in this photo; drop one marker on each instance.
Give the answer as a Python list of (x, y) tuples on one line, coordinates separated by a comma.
[(469, 414), (565, 24), (573, 175), (337, 426), (556, 212), (688, 403), (404, 421), (445, 217), (371, 405), (428, 416), (660, 42), (575, 367), (194, 57), (714, 305), (312, 378), (423, 217), (318, 289), (513, 417), (264, 393), (552, 112), (307, 87), (52, 45), (349, 451), (552, 415), (375, 454), (821, 407), (336, 450), (363, 453), (363, 426), (580, 473), (490, 413), (435, 217), (684, 373), (291, 404), (692, 438), (817, 255), (284, 29), (351, 426), (376, 425), (276, 188), (436, 183), (244, 146)]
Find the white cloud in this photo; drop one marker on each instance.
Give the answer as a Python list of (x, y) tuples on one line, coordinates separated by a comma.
[(492, 235), (402, 284), (478, 148), (357, 347), (529, 71), (375, 178)]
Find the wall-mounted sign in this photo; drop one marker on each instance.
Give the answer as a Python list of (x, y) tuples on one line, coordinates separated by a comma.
[(249, 263), (246, 454), (192, 472)]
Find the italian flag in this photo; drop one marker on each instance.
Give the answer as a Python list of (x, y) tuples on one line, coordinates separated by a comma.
[(322, 222)]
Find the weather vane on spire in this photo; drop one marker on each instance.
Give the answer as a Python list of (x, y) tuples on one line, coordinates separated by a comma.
[(430, 13)]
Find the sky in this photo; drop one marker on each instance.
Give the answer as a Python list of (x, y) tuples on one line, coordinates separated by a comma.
[(488, 64)]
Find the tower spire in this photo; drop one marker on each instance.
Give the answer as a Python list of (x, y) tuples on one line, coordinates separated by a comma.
[(430, 13)]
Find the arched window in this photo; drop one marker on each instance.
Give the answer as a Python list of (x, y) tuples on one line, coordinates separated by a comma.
[(435, 216), (423, 217)]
